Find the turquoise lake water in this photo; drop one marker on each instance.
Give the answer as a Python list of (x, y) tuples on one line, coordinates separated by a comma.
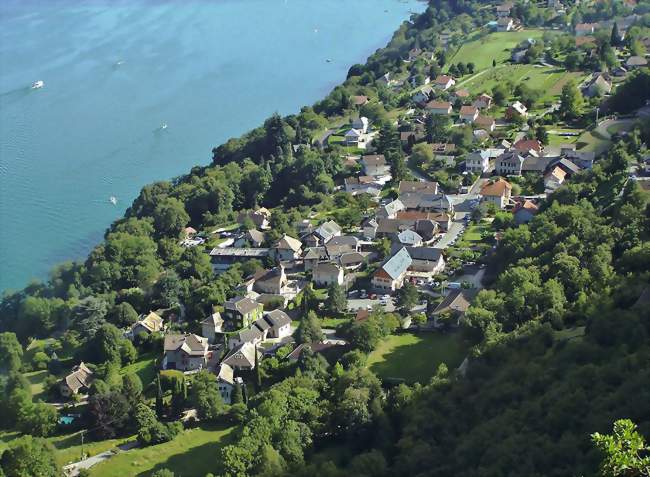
[(115, 71)]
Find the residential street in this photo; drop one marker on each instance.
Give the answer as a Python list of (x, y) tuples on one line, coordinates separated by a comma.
[(72, 470)]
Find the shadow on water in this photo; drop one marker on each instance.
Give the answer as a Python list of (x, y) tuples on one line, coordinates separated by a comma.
[(14, 95)]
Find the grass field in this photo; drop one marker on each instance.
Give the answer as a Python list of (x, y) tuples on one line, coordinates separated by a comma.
[(37, 383), (415, 357), (590, 141), (144, 367), (548, 80), (494, 46), (68, 447), (193, 453)]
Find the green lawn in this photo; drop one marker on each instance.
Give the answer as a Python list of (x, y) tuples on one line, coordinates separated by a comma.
[(37, 383), (570, 333), (592, 142), (494, 46), (194, 453), (333, 322), (144, 367), (416, 357), (6, 437), (68, 447)]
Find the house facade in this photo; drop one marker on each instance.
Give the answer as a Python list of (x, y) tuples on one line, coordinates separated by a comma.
[(325, 274), (375, 165), (241, 312), (212, 326), (390, 276), (498, 192), (509, 163), (185, 352)]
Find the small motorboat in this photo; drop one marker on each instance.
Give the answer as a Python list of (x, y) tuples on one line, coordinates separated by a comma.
[(163, 126), (38, 84), (113, 200), (329, 60)]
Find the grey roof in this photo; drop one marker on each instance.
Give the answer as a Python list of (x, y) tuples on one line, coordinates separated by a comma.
[(327, 267), (512, 157), (393, 207), (288, 243), (262, 324), (374, 160), (316, 253), (239, 252), (278, 318), (414, 200), (213, 319), (456, 300), (225, 373), (352, 258), (242, 356), (418, 186), (409, 237), (191, 344), (430, 254), (535, 164), (241, 304), (328, 229), (249, 334), (255, 235), (398, 264), (349, 240), (568, 166)]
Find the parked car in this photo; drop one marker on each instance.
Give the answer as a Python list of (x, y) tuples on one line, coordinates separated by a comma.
[(373, 296), (363, 294)]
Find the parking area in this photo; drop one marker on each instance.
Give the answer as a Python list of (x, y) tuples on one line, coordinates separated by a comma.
[(356, 304)]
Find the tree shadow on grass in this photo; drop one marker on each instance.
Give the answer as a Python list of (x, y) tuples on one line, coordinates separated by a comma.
[(196, 461)]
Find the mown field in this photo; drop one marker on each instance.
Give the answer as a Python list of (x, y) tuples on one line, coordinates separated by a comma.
[(416, 357), (193, 453)]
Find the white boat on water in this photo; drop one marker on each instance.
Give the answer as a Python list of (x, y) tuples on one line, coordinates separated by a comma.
[(38, 84), (163, 126), (113, 200)]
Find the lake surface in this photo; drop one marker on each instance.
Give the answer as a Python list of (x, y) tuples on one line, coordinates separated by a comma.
[(115, 71)]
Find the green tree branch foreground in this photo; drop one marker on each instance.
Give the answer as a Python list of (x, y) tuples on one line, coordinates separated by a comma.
[(626, 453)]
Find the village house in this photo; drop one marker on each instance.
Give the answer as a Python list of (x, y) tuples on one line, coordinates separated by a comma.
[(390, 210), (152, 323), (353, 138), (271, 281), (459, 95), (498, 192), (528, 146), (360, 185), (251, 238), (259, 217), (253, 335), (287, 249), (505, 24), (390, 276), (503, 10), (524, 211), (509, 164), (441, 218), (598, 86), (327, 231), (385, 79), (439, 107), (583, 159), (485, 122), (375, 165), (78, 381), (483, 101), (417, 186), (224, 258), (444, 82), (185, 352), (429, 260), (634, 62), (369, 226), (443, 148), (554, 179), (412, 137), (280, 324), (477, 162), (468, 114), (409, 238), (422, 96), (516, 110), (240, 312), (226, 382), (353, 260), (242, 357), (361, 124), (327, 273), (452, 308), (314, 255), (212, 327)]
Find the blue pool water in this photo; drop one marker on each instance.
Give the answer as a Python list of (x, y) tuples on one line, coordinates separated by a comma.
[(115, 71)]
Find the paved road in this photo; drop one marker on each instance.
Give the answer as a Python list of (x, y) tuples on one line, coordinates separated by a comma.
[(602, 127)]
